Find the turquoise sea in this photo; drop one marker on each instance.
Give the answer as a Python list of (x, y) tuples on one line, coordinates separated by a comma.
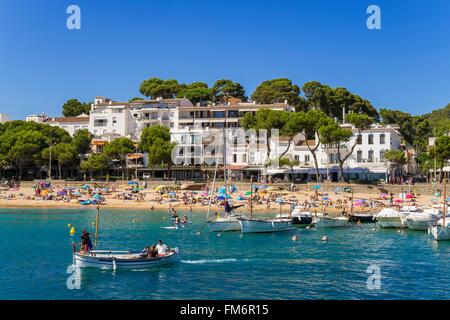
[(35, 252)]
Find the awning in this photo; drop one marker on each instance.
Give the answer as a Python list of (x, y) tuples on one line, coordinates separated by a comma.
[(135, 156), (237, 166)]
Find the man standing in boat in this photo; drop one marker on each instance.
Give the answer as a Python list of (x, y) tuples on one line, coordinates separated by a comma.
[(86, 242)]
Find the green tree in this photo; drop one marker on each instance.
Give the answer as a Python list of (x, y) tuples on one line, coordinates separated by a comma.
[(95, 163), (63, 153), (155, 141), (276, 91), (333, 134), (197, 92), (313, 121), (136, 99), (73, 108), (119, 149), (396, 158), (286, 162), (156, 87), (21, 153), (223, 89), (82, 141), (441, 150), (332, 100)]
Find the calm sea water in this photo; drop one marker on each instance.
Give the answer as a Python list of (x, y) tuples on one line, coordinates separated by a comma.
[(35, 251)]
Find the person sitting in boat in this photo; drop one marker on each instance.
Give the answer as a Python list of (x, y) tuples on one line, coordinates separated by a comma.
[(145, 252), (153, 252), (161, 248)]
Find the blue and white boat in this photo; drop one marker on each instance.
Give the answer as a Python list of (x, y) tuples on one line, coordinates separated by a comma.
[(105, 259)]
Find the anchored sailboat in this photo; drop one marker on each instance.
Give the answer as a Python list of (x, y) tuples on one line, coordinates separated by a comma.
[(229, 221), (442, 230)]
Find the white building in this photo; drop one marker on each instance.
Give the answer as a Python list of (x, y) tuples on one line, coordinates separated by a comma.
[(39, 118), (4, 118), (70, 124)]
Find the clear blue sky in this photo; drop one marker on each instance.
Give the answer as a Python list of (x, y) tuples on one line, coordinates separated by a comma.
[(405, 65)]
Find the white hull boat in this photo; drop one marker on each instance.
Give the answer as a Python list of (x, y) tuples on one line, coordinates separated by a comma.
[(390, 218), (330, 222), (122, 260), (224, 224), (441, 232), (422, 220), (265, 226)]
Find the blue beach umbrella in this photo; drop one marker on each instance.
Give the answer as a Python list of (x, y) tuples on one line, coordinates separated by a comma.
[(132, 182), (316, 187)]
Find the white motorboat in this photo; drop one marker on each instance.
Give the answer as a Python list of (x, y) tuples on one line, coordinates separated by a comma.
[(323, 221), (391, 218), (441, 231), (422, 220), (301, 218), (104, 259), (265, 226)]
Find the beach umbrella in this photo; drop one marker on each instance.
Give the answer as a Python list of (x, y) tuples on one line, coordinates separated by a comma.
[(132, 182), (248, 193), (97, 196), (316, 187), (222, 190), (222, 197), (160, 187)]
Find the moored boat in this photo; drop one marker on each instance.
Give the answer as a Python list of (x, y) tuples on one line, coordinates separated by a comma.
[(301, 218), (322, 221), (422, 220), (391, 218), (362, 217), (122, 259), (441, 231), (265, 226)]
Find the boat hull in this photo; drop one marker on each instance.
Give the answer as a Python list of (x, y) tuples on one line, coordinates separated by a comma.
[(223, 226), (264, 226), (419, 225), (329, 222), (362, 218), (122, 261), (302, 221), (440, 233), (391, 222)]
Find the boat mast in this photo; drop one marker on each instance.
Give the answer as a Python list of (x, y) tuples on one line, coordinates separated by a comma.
[(96, 225), (445, 198), (213, 186), (251, 197), (225, 157)]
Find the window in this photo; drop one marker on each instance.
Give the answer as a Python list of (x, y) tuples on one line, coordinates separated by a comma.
[(382, 139), (382, 155), (359, 139), (114, 121), (297, 158), (370, 136), (100, 122), (306, 158), (370, 156), (359, 156), (234, 158), (333, 158)]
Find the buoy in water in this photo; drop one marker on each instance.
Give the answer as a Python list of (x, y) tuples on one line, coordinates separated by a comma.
[(134, 220), (294, 238), (324, 238), (218, 234), (72, 231), (197, 233)]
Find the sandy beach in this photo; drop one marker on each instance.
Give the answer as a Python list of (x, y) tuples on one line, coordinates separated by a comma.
[(151, 199)]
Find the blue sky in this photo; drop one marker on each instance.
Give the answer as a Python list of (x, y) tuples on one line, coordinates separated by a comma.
[(405, 65)]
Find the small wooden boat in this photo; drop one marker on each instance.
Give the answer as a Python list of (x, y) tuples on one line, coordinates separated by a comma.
[(265, 226), (322, 221), (104, 259)]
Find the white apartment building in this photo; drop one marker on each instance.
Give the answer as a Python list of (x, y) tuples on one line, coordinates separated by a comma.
[(4, 118), (70, 124)]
